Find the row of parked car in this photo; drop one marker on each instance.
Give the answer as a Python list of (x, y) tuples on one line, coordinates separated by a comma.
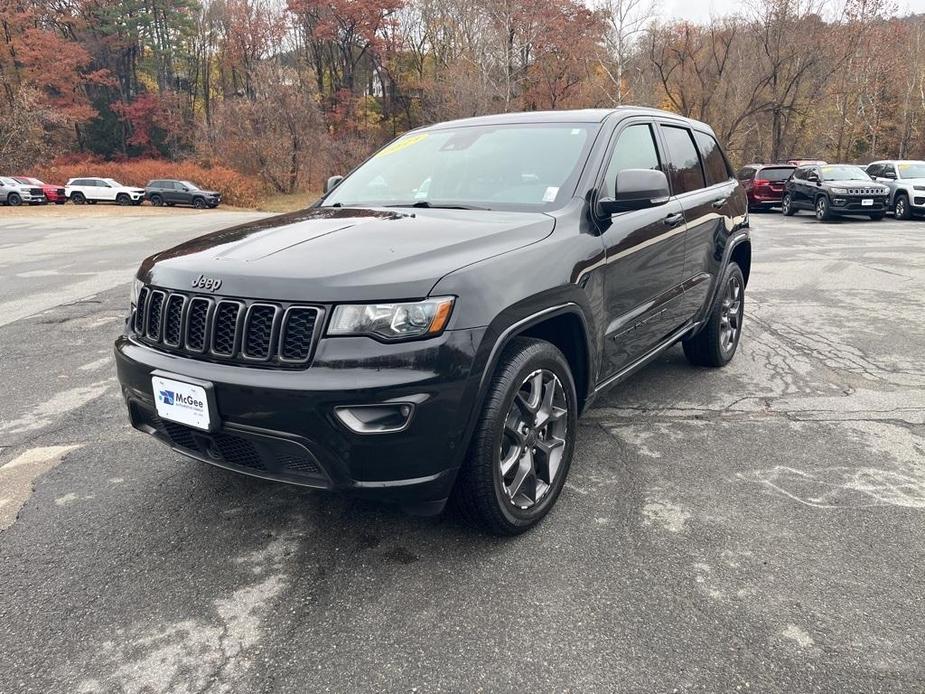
[(835, 190), (25, 190)]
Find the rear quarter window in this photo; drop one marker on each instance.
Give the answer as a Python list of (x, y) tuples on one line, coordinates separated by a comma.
[(714, 162)]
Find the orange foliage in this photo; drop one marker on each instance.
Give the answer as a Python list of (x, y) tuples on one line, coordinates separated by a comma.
[(236, 189)]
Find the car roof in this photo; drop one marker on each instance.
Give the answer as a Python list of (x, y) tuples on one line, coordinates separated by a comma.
[(586, 115)]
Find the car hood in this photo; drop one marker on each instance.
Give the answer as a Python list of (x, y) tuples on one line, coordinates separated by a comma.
[(913, 181), (856, 184), (330, 254)]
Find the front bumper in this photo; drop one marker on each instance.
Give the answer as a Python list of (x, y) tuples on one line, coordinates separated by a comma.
[(280, 424), (851, 204)]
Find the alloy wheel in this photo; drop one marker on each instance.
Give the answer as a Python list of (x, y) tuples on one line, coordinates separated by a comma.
[(785, 204), (900, 207), (822, 209), (730, 321), (533, 439)]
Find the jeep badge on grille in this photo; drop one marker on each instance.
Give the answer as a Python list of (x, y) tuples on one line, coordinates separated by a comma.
[(203, 282)]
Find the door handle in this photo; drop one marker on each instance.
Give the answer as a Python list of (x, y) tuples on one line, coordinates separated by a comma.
[(719, 203), (674, 220)]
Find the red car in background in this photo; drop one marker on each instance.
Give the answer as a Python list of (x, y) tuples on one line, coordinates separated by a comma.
[(53, 194), (764, 183)]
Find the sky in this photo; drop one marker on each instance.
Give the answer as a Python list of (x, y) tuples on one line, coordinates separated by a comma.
[(701, 10)]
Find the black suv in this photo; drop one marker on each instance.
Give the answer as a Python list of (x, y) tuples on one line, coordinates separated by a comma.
[(170, 193), (833, 190), (435, 324)]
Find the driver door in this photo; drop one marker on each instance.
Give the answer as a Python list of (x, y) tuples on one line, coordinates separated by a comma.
[(644, 255)]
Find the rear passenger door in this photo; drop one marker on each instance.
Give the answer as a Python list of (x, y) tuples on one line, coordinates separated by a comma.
[(703, 212), (645, 254)]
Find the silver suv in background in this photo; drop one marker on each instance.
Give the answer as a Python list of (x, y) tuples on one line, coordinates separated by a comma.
[(14, 193), (906, 181)]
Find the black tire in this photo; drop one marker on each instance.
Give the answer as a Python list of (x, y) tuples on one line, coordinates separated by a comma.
[(199, 203), (786, 206), (157, 200), (480, 494), (123, 200), (902, 207), (823, 210), (708, 347), (13, 200), (60, 202), (876, 216), (78, 198)]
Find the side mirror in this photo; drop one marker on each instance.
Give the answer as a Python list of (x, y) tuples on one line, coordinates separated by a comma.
[(637, 189), (331, 183), (889, 175), (814, 178)]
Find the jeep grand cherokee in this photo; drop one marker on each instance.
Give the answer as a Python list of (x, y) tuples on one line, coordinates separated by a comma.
[(435, 324)]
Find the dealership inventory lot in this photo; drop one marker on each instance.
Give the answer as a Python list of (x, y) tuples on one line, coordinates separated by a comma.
[(760, 525)]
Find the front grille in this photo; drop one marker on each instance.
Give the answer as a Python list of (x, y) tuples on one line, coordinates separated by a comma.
[(225, 329), (61, 192), (865, 191), (36, 191)]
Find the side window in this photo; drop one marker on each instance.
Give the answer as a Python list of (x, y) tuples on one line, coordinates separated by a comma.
[(746, 174), (684, 168), (875, 170), (800, 174), (635, 149), (714, 163)]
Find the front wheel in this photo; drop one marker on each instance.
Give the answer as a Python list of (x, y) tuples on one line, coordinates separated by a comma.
[(522, 447), (13, 200), (823, 213), (715, 345), (199, 203), (78, 198), (123, 199), (786, 206), (157, 200), (902, 207)]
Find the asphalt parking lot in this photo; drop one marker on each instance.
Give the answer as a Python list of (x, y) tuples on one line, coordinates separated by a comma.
[(756, 528)]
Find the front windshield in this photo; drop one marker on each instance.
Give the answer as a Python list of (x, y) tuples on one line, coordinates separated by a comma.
[(519, 167), (191, 186), (844, 173), (912, 170)]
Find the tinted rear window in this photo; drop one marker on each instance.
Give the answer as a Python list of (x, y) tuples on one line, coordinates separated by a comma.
[(714, 163), (776, 173)]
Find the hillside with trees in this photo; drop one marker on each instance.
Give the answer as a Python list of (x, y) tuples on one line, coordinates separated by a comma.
[(286, 93)]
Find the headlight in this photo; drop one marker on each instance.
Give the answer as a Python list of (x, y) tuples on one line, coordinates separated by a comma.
[(840, 191), (137, 284), (392, 321)]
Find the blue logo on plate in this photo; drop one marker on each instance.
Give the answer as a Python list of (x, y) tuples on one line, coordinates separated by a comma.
[(166, 397)]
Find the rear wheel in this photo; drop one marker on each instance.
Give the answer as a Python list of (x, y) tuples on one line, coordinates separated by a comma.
[(14, 200), (786, 206), (902, 207), (522, 447), (823, 213), (716, 344)]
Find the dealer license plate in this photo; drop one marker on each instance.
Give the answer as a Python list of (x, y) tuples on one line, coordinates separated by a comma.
[(867, 202), (184, 403)]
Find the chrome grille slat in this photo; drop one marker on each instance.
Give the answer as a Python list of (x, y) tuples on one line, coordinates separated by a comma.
[(225, 329)]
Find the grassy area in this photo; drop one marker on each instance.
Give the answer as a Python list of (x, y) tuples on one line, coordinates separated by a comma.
[(287, 202)]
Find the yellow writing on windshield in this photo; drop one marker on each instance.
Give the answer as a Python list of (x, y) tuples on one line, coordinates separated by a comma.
[(399, 145)]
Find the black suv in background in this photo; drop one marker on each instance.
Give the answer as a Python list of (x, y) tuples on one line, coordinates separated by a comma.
[(833, 190), (169, 192), (436, 323)]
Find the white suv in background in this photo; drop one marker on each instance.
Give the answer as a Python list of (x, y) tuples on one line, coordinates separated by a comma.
[(93, 190), (906, 181)]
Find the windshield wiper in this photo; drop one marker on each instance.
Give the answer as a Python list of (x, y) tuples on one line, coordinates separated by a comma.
[(433, 206)]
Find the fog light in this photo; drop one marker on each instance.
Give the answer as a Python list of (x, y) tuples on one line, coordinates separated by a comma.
[(387, 418)]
